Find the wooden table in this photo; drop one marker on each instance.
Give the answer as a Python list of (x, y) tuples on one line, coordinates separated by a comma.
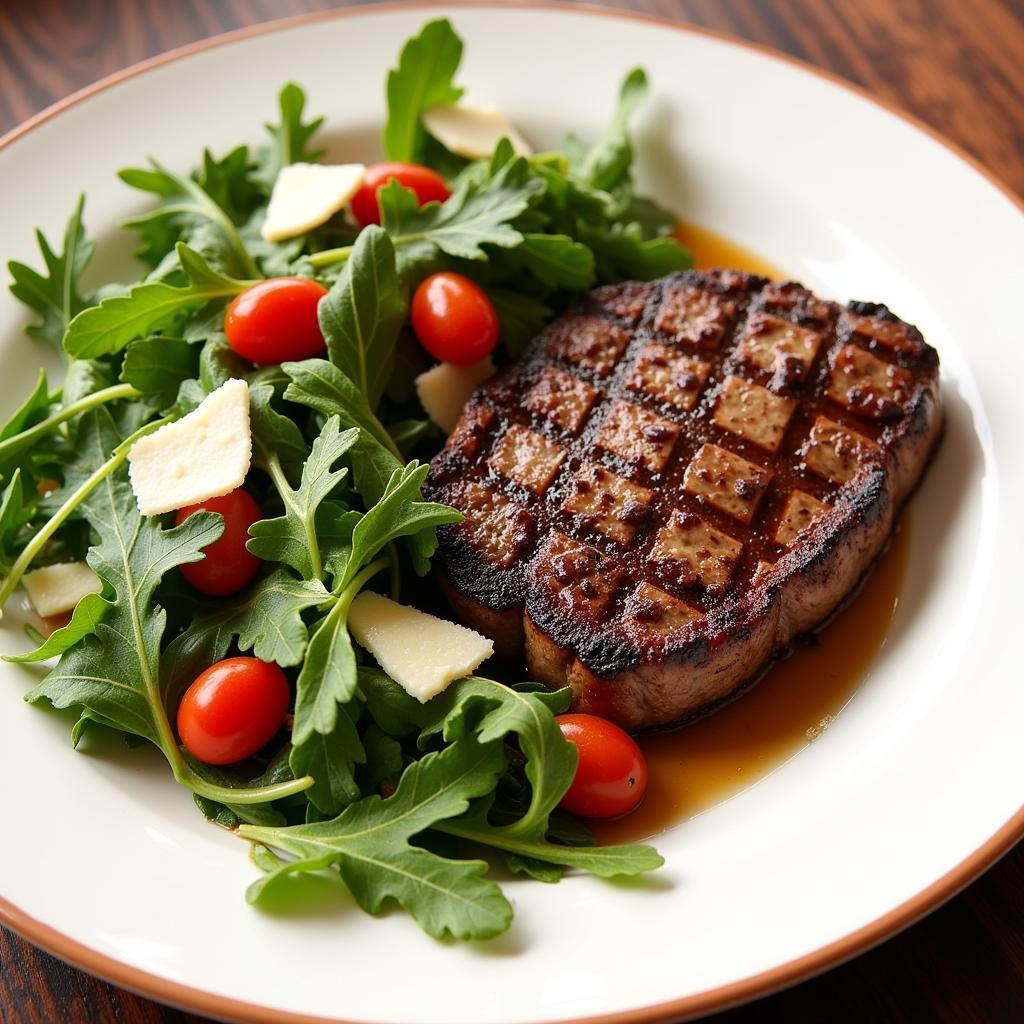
[(958, 66)]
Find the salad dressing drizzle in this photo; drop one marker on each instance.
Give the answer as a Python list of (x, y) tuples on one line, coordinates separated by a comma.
[(694, 768)]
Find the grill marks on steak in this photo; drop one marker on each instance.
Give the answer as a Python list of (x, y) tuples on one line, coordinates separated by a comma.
[(677, 478)]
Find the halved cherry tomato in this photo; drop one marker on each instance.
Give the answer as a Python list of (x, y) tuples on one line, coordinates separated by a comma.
[(427, 184), (275, 320), (232, 709), (454, 320), (611, 775), (227, 565)]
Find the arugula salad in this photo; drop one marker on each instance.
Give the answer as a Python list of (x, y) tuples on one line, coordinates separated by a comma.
[(232, 467)]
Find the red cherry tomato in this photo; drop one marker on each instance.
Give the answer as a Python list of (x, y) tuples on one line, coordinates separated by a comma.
[(427, 184), (275, 320), (232, 709), (454, 320), (227, 565), (611, 775)]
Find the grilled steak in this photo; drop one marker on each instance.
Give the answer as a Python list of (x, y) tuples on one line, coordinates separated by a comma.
[(678, 478)]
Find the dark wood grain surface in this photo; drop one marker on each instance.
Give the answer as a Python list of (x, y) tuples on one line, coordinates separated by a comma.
[(956, 64)]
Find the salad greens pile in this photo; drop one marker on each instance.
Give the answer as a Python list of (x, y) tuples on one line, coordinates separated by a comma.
[(390, 792)]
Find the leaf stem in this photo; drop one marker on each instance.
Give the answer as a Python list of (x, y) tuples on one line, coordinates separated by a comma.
[(208, 206), (36, 544), (12, 445), (328, 257), (348, 595), (605, 861), (395, 584), (273, 465), (229, 795)]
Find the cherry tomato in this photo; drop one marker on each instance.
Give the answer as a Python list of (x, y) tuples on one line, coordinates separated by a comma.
[(275, 320), (232, 709), (427, 184), (454, 320), (227, 565), (611, 775)]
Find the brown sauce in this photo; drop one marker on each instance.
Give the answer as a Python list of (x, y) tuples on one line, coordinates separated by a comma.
[(712, 250), (711, 760)]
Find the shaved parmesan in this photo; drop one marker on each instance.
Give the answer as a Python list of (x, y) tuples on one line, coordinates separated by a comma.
[(445, 389), (422, 653), (308, 195), (58, 588), (203, 455), (473, 132)]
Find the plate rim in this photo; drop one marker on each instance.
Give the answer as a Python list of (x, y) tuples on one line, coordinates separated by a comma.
[(712, 1000)]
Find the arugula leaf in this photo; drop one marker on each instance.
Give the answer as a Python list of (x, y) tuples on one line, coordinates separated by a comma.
[(289, 138), (369, 844), (654, 220), (557, 261), (274, 435), (148, 308), (603, 861), (33, 410), (323, 732), (219, 363), (538, 870), (158, 231), (384, 758), (607, 163), (292, 538), (394, 711), (570, 202), (328, 677), (372, 466), (330, 759), (491, 711), (624, 253), (423, 79), (399, 514), (87, 720), (473, 216), (361, 315), (84, 377), (184, 202), (86, 617), (55, 295), (320, 385), (266, 618), (158, 366), (228, 182), (15, 513), (191, 652)]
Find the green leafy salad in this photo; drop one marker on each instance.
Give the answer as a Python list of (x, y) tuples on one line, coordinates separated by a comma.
[(354, 772)]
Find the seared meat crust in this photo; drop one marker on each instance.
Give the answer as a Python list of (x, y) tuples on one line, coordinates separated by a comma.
[(676, 479)]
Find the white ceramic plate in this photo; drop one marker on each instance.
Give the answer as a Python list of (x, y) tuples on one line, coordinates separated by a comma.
[(916, 787)]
